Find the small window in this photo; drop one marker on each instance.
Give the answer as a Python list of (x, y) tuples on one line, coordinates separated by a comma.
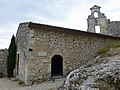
[(96, 14), (32, 37), (30, 49)]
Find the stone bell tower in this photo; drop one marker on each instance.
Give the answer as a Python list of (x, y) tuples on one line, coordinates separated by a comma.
[(97, 19)]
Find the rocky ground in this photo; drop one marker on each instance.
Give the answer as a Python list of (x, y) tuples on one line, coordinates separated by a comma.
[(7, 84), (101, 73)]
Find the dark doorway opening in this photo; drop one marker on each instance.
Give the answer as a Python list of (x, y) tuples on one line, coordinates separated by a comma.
[(17, 64), (57, 66)]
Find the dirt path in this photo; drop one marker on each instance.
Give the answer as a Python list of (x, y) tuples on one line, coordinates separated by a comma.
[(6, 84)]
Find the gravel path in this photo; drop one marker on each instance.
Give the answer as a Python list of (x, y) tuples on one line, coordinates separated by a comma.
[(6, 84)]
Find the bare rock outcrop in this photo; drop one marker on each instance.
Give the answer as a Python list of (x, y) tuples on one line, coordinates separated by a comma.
[(102, 72)]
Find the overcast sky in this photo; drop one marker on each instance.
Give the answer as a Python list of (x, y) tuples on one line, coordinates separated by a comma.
[(63, 13)]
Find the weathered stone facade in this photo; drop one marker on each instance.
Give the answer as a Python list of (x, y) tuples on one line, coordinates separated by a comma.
[(106, 26), (3, 60), (114, 28), (99, 20), (22, 41), (44, 51)]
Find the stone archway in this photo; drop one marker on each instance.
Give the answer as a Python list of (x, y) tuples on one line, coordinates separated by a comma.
[(57, 66)]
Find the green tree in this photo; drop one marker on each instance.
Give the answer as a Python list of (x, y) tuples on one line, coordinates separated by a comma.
[(11, 59)]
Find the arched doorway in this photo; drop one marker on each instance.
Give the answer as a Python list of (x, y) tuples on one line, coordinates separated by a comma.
[(57, 66)]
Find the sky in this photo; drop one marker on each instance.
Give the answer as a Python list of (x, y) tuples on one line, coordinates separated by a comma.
[(63, 13)]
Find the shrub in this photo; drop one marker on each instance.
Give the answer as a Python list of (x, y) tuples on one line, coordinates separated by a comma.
[(52, 89), (106, 49), (20, 82), (102, 51), (115, 45)]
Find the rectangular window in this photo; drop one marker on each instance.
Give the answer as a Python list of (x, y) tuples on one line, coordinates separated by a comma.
[(97, 29), (30, 49), (17, 64)]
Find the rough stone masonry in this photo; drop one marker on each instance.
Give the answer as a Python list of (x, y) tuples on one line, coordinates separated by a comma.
[(3, 60)]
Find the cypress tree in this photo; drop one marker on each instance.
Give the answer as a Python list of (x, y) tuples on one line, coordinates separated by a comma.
[(11, 59)]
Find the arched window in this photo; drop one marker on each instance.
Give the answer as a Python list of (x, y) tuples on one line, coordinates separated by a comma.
[(96, 14)]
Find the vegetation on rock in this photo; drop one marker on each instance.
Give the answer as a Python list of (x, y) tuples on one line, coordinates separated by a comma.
[(106, 49), (101, 73), (20, 82)]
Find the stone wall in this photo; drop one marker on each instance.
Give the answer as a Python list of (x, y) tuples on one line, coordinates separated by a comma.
[(3, 60), (22, 51), (114, 28), (38, 43)]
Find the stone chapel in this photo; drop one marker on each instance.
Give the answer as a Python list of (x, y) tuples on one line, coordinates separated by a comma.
[(45, 51)]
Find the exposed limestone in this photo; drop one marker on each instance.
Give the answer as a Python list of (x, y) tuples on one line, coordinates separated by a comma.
[(104, 68)]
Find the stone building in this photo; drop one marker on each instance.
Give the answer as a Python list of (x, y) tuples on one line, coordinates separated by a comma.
[(114, 28), (3, 60), (45, 51), (98, 21)]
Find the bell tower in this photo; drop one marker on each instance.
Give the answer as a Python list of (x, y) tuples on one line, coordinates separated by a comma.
[(97, 20)]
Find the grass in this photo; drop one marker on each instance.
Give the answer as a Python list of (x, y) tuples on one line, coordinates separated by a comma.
[(102, 51), (106, 49), (52, 89), (20, 82), (115, 45)]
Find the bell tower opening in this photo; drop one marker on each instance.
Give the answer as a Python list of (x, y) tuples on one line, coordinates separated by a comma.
[(97, 21), (95, 14)]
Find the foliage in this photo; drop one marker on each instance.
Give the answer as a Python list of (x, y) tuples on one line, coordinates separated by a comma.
[(52, 89), (106, 49), (115, 45), (20, 82), (11, 59), (103, 50)]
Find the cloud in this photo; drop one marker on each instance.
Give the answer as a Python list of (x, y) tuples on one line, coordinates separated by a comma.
[(63, 13), (6, 34)]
